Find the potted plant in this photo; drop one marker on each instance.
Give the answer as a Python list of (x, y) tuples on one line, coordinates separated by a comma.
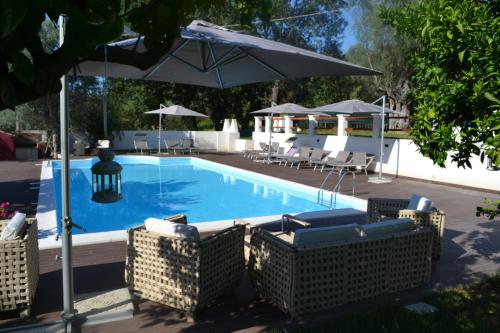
[(5, 211)]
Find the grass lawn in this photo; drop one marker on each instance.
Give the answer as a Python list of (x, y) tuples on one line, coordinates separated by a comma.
[(475, 308)]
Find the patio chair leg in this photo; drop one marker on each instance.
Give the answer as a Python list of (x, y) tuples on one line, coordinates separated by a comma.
[(353, 182), (26, 313), (192, 316)]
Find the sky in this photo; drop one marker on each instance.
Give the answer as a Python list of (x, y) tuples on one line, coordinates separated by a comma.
[(349, 38)]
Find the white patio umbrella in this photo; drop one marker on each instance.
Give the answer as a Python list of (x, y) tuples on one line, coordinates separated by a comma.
[(174, 110), (289, 109), (353, 106), (203, 55)]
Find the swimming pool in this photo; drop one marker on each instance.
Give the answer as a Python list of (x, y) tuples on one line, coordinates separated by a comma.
[(205, 191)]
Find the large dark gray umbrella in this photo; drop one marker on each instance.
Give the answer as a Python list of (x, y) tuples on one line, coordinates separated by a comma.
[(204, 55), (212, 56)]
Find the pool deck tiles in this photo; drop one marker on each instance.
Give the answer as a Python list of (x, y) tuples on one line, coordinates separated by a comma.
[(471, 249)]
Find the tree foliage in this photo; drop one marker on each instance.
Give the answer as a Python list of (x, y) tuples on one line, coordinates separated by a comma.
[(129, 99), (28, 70), (457, 77), (377, 47)]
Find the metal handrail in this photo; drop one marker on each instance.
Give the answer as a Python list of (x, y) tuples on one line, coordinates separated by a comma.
[(321, 188), (342, 173)]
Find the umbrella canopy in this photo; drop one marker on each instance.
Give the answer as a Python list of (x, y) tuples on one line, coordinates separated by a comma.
[(287, 108), (352, 106), (177, 110), (174, 110), (212, 56), (290, 109)]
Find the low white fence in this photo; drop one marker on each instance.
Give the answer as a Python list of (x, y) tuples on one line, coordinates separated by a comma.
[(400, 158), (219, 141)]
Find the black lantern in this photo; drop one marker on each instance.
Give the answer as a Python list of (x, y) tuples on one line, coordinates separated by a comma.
[(106, 178)]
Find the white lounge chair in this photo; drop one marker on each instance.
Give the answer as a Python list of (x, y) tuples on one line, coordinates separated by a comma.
[(141, 143), (172, 145), (359, 161), (342, 157), (187, 145), (304, 155)]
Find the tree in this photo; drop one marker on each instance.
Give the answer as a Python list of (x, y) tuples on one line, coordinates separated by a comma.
[(457, 77), (29, 71), (379, 48)]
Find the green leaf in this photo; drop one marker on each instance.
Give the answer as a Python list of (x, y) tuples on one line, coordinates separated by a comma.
[(12, 13), (461, 55), (23, 68), (427, 25), (449, 34), (491, 97), (7, 93)]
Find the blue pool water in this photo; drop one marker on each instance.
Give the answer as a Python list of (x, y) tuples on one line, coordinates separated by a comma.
[(159, 187)]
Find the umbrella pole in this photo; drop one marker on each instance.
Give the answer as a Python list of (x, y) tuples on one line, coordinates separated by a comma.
[(159, 135), (380, 179), (68, 314), (270, 139), (382, 128)]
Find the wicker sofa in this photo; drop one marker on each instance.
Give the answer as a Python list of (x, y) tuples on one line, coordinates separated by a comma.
[(184, 274), (383, 208), (19, 270), (317, 278)]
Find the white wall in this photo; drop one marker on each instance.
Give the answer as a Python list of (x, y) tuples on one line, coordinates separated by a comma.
[(220, 141), (400, 158)]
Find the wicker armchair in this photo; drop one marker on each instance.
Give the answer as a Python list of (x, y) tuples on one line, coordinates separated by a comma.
[(184, 274), (19, 270), (313, 279), (380, 208)]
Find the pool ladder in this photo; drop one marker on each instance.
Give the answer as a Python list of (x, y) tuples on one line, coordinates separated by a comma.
[(333, 193)]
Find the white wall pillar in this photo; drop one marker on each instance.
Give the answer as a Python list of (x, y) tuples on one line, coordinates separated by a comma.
[(377, 123), (288, 123), (342, 124), (227, 124), (268, 124), (258, 124), (312, 125)]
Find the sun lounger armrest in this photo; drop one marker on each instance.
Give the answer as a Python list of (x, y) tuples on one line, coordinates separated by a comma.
[(287, 218)]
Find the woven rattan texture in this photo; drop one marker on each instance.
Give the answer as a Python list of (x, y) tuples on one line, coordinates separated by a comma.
[(396, 208), (271, 266), (183, 274), (19, 269), (314, 279)]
